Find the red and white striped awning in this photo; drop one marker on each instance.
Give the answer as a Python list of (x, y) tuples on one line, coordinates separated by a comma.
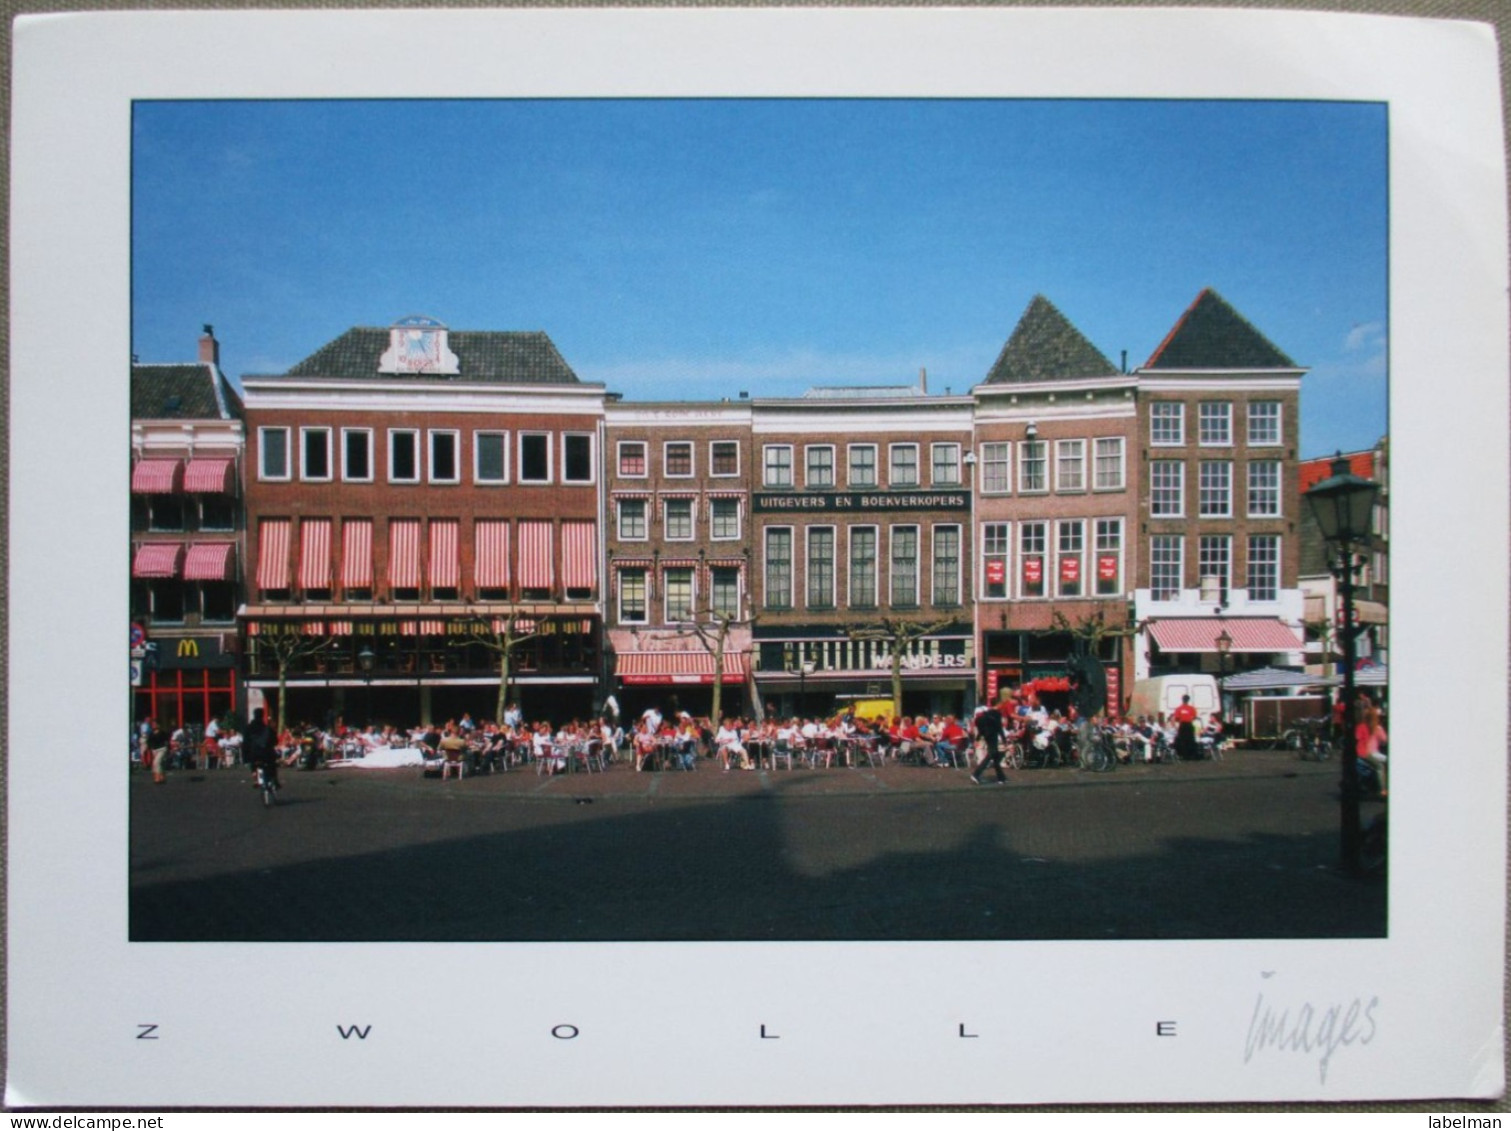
[(315, 553), (1249, 634), (492, 544), (422, 628), (357, 553), (157, 477), (273, 554), (535, 570), (445, 566), (404, 553), (579, 566), (678, 667), (157, 560), (208, 476), (208, 561)]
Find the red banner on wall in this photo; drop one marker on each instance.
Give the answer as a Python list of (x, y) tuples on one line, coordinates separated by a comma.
[(1107, 567), (991, 687), (996, 571), (1070, 569), (1033, 571)]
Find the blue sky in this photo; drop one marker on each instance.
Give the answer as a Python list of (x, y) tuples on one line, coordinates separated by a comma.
[(700, 248)]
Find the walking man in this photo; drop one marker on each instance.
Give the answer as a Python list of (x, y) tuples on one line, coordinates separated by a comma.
[(988, 728)]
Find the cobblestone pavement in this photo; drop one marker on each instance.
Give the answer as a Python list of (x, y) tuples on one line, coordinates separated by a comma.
[(1242, 848)]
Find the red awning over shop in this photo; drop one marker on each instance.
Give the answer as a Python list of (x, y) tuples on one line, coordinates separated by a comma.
[(208, 476), (404, 553), (492, 565), (157, 560), (157, 477), (273, 554), (445, 568), (209, 561), (357, 553), (678, 667), (535, 555), (1249, 634), (315, 553), (579, 567)]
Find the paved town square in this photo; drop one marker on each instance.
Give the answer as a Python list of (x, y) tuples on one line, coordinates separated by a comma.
[(1246, 847)]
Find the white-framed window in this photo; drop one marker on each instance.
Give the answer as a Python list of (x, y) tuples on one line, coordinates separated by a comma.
[(577, 458), (535, 457), (403, 455), (1264, 423), (996, 468), (490, 457), (1070, 465), (820, 572), (445, 458), (678, 517), (1215, 490), (944, 465), (1110, 473), (677, 459), (679, 592), (1214, 564), (723, 519), (1033, 467), (1167, 424), (632, 525), (1166, 566), (778, 558), (1215, 423), (776, 465), (273, 454), (1167, 488), (996, 547), (1070, 557), (632, 459), (1264, 488), (357, 455), (862, 567), (315, 455), (862, 465), (947, 565), (903, 465), (632, 596), (724, 596), (904, 563), (1264, 567), (1109, 557), (818, 465), (723, 458), (1033, 543)]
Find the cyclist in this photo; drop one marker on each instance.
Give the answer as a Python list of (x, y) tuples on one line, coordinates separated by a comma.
[(260, 748)]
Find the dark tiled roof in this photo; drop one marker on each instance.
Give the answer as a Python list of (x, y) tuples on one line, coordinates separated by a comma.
[(1046, 347), (1212, 335), (168, 392), (482, 355)]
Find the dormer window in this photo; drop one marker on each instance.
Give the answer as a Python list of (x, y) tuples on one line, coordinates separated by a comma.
[(418, 345)]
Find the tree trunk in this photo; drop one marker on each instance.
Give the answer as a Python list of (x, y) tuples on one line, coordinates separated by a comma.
[(503, 686), (896, 680)]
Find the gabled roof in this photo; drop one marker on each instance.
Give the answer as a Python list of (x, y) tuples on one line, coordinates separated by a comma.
[(191, 391), (508, 357), (1212, 335), (1046, 347)]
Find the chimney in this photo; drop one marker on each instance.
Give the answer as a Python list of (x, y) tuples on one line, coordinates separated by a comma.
[(209, 348), (923, 380)]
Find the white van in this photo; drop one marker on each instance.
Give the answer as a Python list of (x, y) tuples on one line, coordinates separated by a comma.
[(1162, 694)]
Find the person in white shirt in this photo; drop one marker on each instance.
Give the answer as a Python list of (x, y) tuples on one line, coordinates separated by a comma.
[(729, 744)]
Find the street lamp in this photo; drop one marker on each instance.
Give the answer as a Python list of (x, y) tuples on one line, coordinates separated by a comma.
[(1343, 505), (1224, 646), (365, 661)]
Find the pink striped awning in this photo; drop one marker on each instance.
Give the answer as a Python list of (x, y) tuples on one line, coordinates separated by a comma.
[(535, 570), (492, 566), (579, 544), (357, 553), (157, 477), (422, 628), (315, 553), (208, 561), (273, 554), (341, 628), (208, 476), (678, 667), (445, 567), (404, 553), (1249, 634), (157, 560)]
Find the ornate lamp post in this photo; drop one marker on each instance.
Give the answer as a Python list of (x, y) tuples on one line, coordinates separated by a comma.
[(1343, 505), (365, 661), (1224, 646)]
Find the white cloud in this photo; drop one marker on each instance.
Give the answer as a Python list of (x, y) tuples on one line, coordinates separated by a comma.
[(1365, 336)]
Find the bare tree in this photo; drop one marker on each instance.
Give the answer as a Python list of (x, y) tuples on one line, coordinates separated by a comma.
[(899, 634), (286, 645), (711, 628), (501, 634)]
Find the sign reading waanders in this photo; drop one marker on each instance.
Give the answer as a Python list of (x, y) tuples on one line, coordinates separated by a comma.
[(863, 501)]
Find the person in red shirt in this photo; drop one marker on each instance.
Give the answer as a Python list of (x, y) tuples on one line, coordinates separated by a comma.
[(1184, 718)]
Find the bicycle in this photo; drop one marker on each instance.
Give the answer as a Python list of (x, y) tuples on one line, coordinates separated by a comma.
[(1100, 755), (1309, 739), (268, 787)]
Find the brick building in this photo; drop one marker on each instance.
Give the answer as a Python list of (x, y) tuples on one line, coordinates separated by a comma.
[(416, 498), (187, 442)]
